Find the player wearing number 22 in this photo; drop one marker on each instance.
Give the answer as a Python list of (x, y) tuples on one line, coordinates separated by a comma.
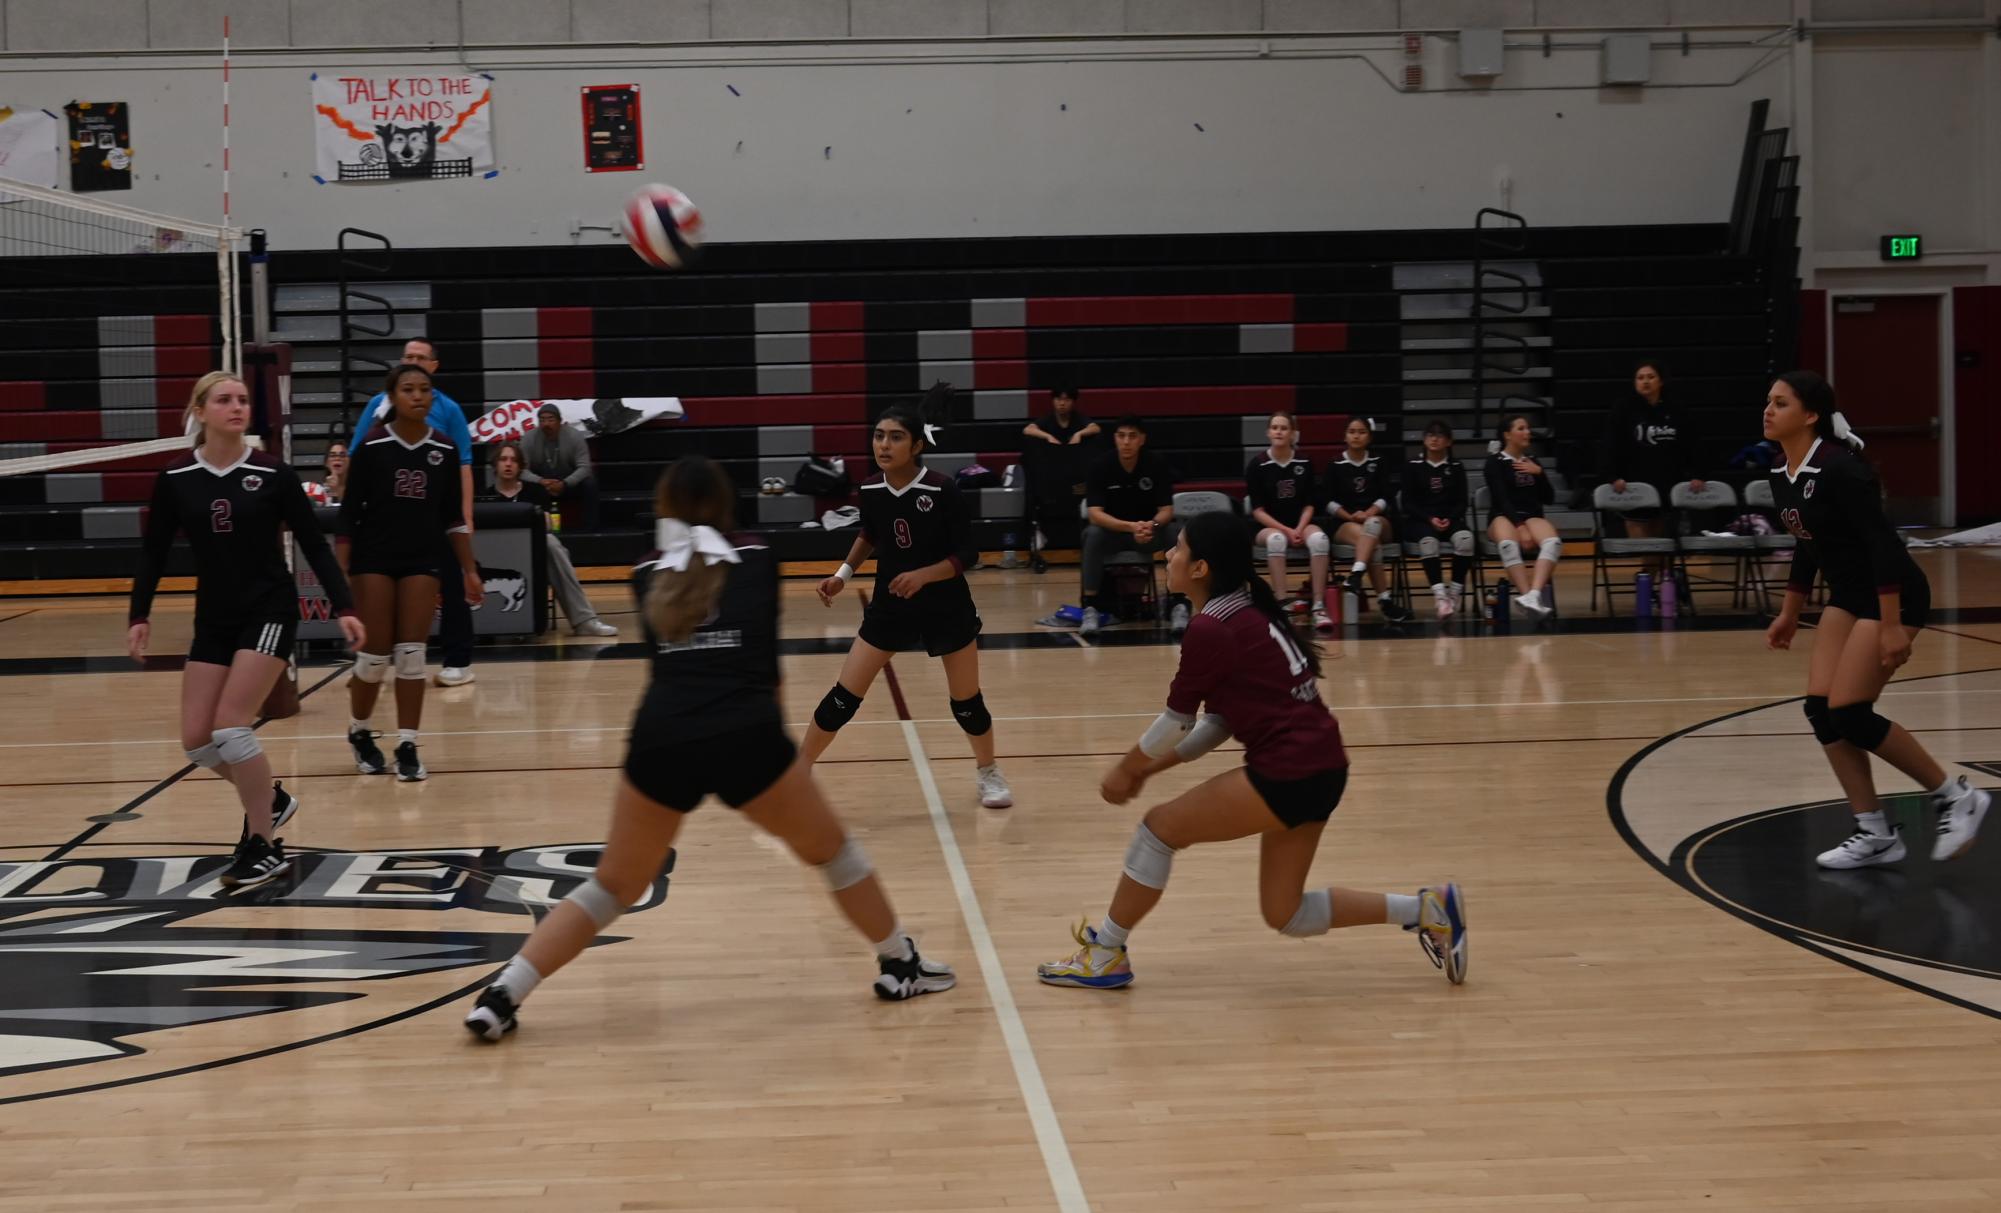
[(1240, 660)]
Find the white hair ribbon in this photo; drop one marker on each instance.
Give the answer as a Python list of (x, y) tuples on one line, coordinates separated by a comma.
[(678, 542), (1845, 433)]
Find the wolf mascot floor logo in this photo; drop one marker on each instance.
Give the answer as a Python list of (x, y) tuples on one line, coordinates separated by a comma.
[(99, 953)]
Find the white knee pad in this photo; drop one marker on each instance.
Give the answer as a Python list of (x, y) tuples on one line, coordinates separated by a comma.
[(410, 660), (370, 667), (1427, 548), (237, 745), (1316, 543), (1462, 543), (1511, 553), (1373, 528), (1148, 859), (1315, 915), (848, 867), (1551, 550), (1276, 543), (204, 757), (596, 900)]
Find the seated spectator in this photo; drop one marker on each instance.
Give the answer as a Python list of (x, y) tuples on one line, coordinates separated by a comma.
[(509, 486), (1358, 497), (559, 460), (1646, 443), (1130, 499), (1520, 489), (1064, 426), (1434, 513), (1279, 483), (1054, 479), (328, 490)]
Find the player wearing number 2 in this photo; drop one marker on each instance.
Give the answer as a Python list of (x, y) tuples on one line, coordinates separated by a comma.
[(1241, 660), (919, 529)]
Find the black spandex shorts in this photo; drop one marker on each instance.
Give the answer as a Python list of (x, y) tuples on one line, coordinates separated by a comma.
[(1914, 601), (735, 767), (1298, 802), (937, 623), (218, 643)]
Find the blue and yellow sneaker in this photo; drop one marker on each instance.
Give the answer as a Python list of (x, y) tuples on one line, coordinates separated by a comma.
[(1094, 966), (1441, 929)]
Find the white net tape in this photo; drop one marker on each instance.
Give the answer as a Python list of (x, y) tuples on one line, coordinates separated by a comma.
[(94, 456)]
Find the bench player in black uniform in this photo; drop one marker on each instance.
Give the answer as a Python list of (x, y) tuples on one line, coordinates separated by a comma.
[(710, 724), (1434, 514), (230, 502), (404, 502), (1279, 482), (1877, 600), (919, 528), (1358, 497), (1519, 489)]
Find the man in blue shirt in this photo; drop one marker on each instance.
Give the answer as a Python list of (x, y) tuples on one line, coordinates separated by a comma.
[(446, 417)]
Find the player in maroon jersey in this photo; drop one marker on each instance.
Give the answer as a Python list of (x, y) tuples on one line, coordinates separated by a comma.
[(1241, 661)]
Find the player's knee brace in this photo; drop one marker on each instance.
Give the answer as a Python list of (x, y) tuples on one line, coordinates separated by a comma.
[(1821, 719), (409, 659), (1373, 528), (237, 745), (1276, 543), (972, 715), (1462, 543), (205, 756), (1148, 859), (597, 901), (1315, 915), (1316, 543), (1511, 553), (836, 709), (1859, 724), (370, 667), (1551, 550), (1427, 548), (848, 867)]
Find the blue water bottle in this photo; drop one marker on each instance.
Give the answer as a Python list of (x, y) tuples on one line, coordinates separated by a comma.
[(1501, 588), (1643, 596)]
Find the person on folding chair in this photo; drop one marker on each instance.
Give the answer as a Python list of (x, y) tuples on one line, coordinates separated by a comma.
[(1130, 502), (1645, 442), (1359, 492), (1520, 490), (1434, 513), (1279, 483)]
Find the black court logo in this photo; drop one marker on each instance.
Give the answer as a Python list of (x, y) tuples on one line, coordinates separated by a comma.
[(102, 950), (923, 503), (435, 457), (252, 483)]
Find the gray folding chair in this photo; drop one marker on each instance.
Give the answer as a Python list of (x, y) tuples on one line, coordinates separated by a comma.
[(1758, 498), (1627, 554), (1717, 500)]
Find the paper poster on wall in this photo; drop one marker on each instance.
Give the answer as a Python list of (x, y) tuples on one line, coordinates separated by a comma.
[(370, 128), (612, 141), (100, 146), (31, 147)]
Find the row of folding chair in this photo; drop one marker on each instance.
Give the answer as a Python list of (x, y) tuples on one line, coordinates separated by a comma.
[(1747, 555)]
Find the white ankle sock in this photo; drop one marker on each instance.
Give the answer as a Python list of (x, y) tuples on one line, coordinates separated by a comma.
[(1361, 566), (354, 725), (1874, 822), (1949, 790), (519, 979), (1110, 934), (406, 736), (897, 946), (1401, 909)]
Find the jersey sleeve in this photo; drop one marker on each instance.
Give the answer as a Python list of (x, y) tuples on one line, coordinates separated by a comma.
[(451, 499), (959, 528), (1254, 485), (770, 584), (163, 519), (1309, 487), (297, 509), (1205, 661), (1382, 484), (456, 427), (1862, 507), (354, 495)]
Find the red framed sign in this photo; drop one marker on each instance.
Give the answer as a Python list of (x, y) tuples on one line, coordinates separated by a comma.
[(612, 139)]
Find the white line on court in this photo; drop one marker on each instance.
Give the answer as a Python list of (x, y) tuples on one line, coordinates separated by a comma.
[(1027, 1074)]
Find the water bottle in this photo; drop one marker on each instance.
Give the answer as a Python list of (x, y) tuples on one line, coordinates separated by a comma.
[(555, 518), (1667, 597), (1009, 559), (1331, 599), (1500, 613), (1643, 596)]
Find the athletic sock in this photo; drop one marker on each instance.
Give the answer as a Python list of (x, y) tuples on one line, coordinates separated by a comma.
[(357, 726), (406, 737), (1110, 934), (519, 979), (1874, 822), (1400, 909), (897, 946), (1949, 790), (1360, 566)]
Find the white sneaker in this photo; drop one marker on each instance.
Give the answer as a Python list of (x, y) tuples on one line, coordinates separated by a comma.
[(1442, 601), (1322, 622), (994, 792), (454, 676), (1959, 815), (594, 627), (1863, 849), (1532, 602), (1088, 625)]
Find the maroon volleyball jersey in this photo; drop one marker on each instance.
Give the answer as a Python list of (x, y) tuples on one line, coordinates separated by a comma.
[(1251, 672)]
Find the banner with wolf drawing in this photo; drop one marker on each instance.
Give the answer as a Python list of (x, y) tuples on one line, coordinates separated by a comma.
[(401, 126)]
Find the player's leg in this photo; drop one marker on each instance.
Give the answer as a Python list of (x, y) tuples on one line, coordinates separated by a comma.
[(416, 599), (1549, 550), (1318, 549), (253, 672), (969, 708), (1508, 538), (375, 604), (1873, 840), (1275, 544), (1286, 856), (844, 699)]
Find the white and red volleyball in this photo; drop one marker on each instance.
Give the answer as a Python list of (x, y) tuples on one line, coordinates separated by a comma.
[(662, 226)]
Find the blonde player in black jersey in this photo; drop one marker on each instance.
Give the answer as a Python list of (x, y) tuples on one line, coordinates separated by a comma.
[(1877, 600), (919, 528), (710, 724), (230, 502)]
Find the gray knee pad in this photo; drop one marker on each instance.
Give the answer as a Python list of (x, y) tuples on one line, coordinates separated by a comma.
[(205, 756), (1551, 550), (1822, 721), (972, 715), (1373, 528), (596, 900), (848, 867), (1276, 543), (837, 708), (409, 659), (1462, 543), (237, 745), (1427, 548), (1148, 859), (1860, 725), (370, 667), (1316, 544), (1511, 553), (1315, 915)]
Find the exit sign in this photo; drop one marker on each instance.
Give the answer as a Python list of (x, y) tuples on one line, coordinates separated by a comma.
[(1902, 248)]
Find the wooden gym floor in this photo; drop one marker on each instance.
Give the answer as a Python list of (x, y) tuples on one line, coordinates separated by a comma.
[(1620, 1044)]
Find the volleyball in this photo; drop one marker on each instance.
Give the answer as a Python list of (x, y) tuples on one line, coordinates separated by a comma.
[(662, 226)]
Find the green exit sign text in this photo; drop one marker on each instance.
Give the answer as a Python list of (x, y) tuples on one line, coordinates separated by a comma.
[(1902, 248)]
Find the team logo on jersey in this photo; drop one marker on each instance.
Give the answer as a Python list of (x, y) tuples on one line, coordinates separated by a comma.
[(924, 503), (1806, 494), (252, 483), (435, 457), (1146, 483), (102, 948)]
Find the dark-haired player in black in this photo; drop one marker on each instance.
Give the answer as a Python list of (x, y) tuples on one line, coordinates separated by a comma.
[(920, 530), (230, 502), (1358, 490), (1520, 489), (1434, 515), (403, 504), (1877, 600), (710, 725)]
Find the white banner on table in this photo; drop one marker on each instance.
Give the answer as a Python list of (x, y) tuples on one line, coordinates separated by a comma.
[(374, 127), (602, 415)]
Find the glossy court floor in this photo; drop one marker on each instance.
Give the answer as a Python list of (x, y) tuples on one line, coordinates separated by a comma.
[(1669, 1008)]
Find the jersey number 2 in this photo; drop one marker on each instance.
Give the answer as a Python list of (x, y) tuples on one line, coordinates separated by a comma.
[(218, 515), (1294, 659), (409, 483), (902, 530)]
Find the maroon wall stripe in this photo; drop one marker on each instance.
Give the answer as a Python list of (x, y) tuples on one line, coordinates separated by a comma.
[(991, 375), (838, 316), (23, 394), (840, 347), (184, 330), (1320, 338), (840, 377), (1000, 343), (562, 322), (569, 384)]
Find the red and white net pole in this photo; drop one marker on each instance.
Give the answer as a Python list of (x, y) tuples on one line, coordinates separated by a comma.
[(226, 248)]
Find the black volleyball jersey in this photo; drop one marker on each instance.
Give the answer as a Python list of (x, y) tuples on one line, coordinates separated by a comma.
[(1518, 493), (1280, 489), (1834, 507), (725, 675), (232, 517), (402, 498), (1355, 487), (922, 523), (1434, 490)]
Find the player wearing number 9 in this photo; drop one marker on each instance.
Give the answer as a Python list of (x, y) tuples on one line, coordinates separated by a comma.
[(1241, 663)]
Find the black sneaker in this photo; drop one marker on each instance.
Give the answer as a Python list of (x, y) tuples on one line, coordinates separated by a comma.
[(1038, 565), (1394, 611), (256, 861), (901, 979), (492, 1017), (1352, 584), (283, 805), (368, 757), (409, 768)]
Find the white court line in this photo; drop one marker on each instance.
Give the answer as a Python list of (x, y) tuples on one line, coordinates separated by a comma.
[(1028, 1075)]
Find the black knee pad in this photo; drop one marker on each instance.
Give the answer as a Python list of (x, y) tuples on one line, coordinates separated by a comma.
[(1823, 723), (1860, 725), (839, 707), (972, 715)]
